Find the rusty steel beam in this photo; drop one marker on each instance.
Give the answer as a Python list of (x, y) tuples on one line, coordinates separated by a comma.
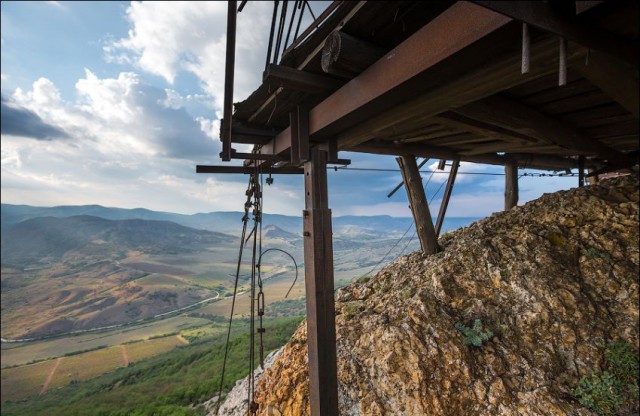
[(229, 67)]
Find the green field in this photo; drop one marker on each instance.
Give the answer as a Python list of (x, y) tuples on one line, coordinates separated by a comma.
[(24, 381), (166, 384), (148, 348), (22, 353)]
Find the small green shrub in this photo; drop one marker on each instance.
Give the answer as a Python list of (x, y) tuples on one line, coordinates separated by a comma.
[(363, 279), (474, 335), (600, 392), (350, 309), (606, 392), (623, 362), (594, 253)]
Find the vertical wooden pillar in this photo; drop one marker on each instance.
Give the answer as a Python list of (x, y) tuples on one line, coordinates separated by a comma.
[(419, 205), (580, 171), (318, 266), (447, 195), (511, 185)]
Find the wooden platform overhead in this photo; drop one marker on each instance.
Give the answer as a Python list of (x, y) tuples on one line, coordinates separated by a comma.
[(445, 80), (525, 84)]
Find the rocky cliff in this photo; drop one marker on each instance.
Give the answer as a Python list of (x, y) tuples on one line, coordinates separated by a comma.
[(548, 285)]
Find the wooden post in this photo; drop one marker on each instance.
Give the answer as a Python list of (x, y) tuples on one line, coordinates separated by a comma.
[(447, 195), (580, 171), (511, 185), (419, 205), (318, 265)]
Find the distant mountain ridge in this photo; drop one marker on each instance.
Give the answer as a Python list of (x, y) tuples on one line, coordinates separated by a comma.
[(51, 237), (228, 222)]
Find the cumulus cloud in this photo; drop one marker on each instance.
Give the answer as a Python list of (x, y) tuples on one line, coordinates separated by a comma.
[(19, 121), (168, 38)]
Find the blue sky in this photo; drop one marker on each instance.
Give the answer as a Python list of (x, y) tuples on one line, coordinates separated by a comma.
[(114, 103)]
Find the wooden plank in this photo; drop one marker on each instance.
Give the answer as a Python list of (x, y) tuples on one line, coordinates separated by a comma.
[(541, 15), (511, 185), (447, 195), (616, 79), (418, 203), (278, 76), (319, 287), (514, 116)]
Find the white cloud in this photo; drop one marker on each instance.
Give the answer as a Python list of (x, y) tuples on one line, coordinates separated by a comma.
[(168, 38)]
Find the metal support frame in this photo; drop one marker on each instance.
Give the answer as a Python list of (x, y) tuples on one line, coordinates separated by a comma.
[(229, 67), (318, 263), (447, 195), (511, 185), (418, 202)]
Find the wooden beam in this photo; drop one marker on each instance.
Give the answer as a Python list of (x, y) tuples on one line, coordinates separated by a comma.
[(318, 264), (581, 171), (532, 161), (418, 202), (347, 56), (616, 79), (511, 185), (456, 28), (510, 114), (543, 16), (277, 76), (458, 121), (229, 66), (447, 195)]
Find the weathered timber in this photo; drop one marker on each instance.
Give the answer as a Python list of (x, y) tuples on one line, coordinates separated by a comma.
[(447, 195), (499, 75), (346, 56), (511, 185), (581, 171), (229, 66), (398, 186), (318, 263), (532, 161), (541, 15), (511, 115), (418, 203), (617, 79), (278, 76), (412, 57)]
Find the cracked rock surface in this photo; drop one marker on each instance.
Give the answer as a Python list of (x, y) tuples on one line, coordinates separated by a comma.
[(554, 280)]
